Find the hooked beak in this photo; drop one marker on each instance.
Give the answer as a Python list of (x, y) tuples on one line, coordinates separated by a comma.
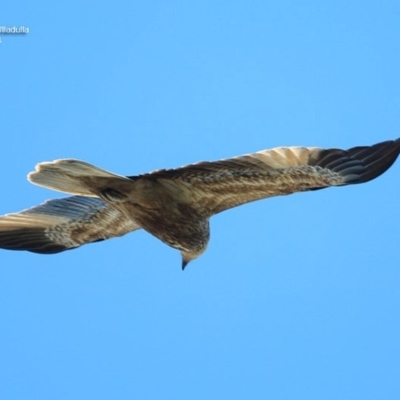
[(184, 263)]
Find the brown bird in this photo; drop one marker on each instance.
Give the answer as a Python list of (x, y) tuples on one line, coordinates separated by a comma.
[(175, 205)]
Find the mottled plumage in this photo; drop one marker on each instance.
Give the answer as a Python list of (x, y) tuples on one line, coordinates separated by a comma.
[(175, 205)]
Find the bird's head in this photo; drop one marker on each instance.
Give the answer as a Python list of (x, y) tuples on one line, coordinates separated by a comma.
[(188, 256)]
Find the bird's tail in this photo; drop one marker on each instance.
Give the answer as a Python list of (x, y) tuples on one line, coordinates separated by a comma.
[(72, 176)]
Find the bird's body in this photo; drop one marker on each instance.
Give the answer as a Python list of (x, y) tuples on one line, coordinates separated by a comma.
[(175, 205)]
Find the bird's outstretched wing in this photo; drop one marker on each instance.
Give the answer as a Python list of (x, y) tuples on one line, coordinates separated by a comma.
[(62, 224), (217, 186)]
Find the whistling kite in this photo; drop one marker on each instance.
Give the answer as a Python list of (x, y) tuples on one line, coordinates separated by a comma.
[(175, 205)]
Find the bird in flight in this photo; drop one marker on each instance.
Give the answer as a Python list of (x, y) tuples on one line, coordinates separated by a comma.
[(175, 205)]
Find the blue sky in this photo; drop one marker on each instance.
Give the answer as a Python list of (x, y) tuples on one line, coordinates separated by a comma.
[(296, 297)]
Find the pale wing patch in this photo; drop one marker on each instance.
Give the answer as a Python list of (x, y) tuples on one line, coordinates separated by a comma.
[(285, 157)]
